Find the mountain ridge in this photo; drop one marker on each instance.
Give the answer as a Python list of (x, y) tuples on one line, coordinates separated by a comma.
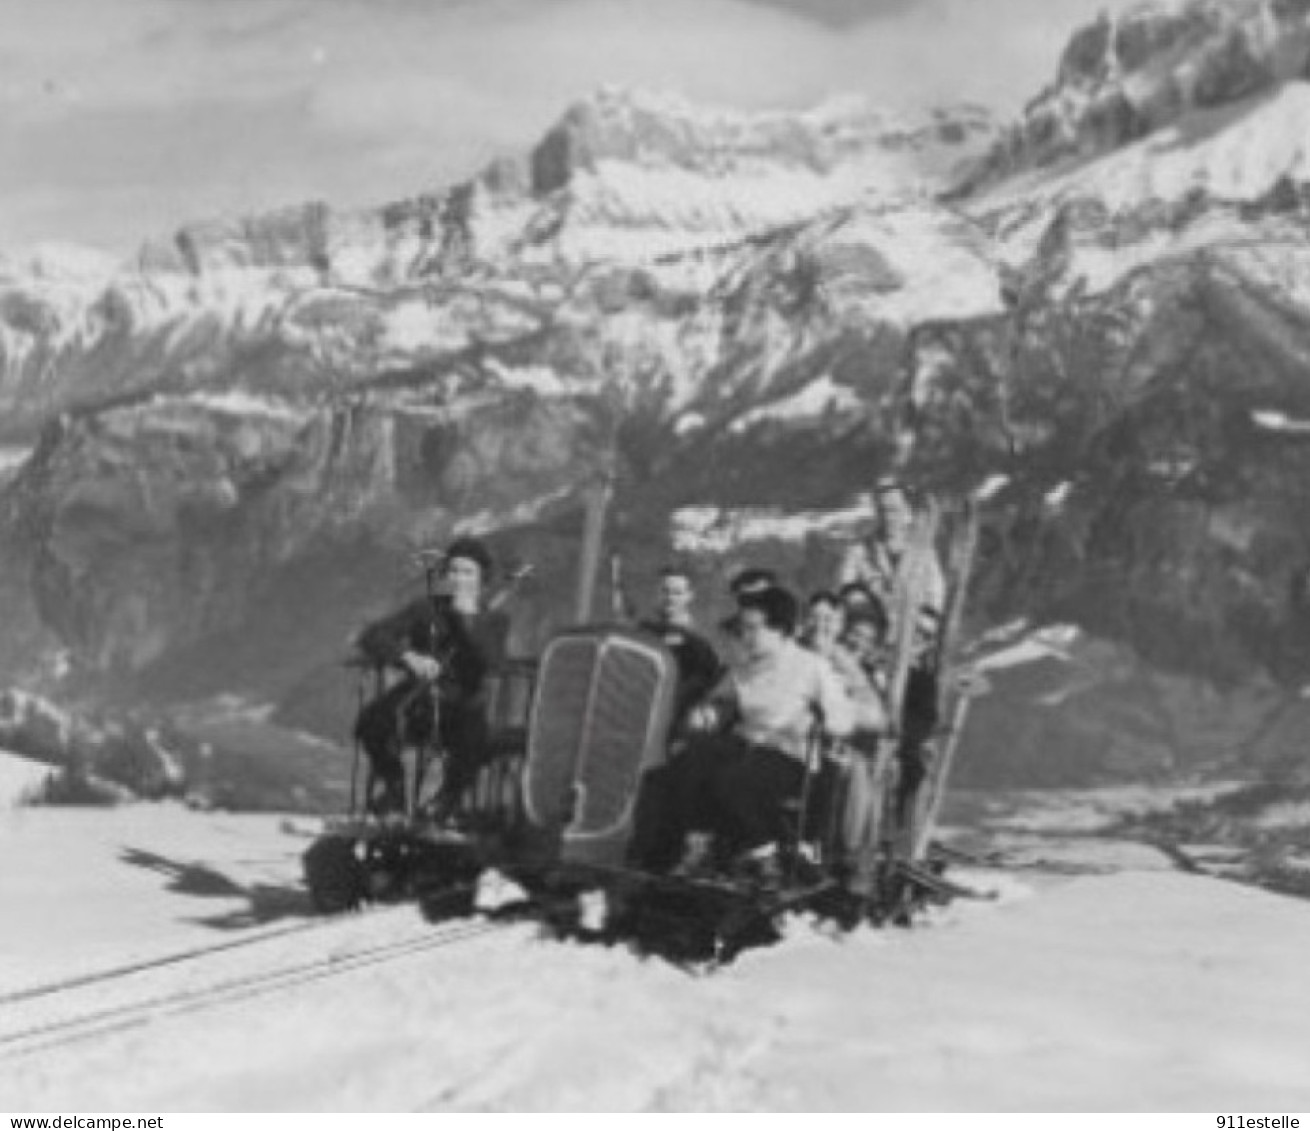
[(262, 417)]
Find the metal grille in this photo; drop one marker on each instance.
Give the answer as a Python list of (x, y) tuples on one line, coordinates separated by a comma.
[(555, 732), (626, 693), (602, 706)]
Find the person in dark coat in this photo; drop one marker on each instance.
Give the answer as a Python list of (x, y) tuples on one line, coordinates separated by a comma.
[(699, 666), (699, 670), (919, 714), (445, 644)]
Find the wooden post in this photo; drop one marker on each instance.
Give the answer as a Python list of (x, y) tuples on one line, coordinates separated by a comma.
[(933, 787), (596, 500)]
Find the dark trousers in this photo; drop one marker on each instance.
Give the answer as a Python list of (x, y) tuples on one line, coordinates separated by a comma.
[(679, 798), (722, 785), (918, 722), (752, 794), (406, 715)]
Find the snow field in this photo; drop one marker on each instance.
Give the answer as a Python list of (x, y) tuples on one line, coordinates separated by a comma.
[(1135, 989)]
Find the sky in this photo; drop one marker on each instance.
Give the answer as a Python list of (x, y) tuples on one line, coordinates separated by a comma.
[(121, 119)]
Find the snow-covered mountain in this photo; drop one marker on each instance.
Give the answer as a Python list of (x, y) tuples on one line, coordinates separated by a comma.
[(1170, 128), (1155, 66), (624, 176), (307, 386), (1106, 309), (308, 297)]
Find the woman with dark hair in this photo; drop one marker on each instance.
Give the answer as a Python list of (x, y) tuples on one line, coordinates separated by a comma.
[(825, 618), (827, 633), (445, 645), (754, 735)]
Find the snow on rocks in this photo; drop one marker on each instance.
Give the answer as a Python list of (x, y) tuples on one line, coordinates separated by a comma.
[(20, 778), (715, 530), (1273, 420)]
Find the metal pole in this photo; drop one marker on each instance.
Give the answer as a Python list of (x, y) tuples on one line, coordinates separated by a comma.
[(354, 741), (597, 498), (813, 757), (618, 605)]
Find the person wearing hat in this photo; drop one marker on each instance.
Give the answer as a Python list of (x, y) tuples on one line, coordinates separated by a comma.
[(444, 644)]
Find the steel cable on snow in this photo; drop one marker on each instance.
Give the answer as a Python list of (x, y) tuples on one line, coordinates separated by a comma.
[(132, 1014), (147, 964)]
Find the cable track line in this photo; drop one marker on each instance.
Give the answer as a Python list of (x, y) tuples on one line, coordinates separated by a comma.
[(135, 1014), (145, 965), (45, 989)]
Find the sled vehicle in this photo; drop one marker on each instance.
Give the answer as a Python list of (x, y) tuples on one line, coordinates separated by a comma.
[(547, 830)]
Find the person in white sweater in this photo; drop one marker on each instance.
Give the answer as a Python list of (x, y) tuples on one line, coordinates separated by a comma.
[(755, 729)]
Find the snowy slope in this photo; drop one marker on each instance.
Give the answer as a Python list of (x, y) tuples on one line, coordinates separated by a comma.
[(1136, 988)]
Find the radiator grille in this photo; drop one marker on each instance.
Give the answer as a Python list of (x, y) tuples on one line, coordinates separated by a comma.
[(559, 718), (626, 694), (600, 716)]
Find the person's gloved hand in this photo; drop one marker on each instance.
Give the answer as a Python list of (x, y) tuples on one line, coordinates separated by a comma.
[(704, 718), (424, 667)]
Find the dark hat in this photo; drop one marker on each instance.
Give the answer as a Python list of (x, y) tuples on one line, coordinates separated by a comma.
[(752, 580), (470, 549)]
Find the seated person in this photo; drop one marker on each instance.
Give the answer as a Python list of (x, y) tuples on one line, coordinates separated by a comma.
[(445, 645), (825, 617), (909, 745), (826, 635), (699, 669), (856, 597), (733, 779), (698, 664), (752, 579)]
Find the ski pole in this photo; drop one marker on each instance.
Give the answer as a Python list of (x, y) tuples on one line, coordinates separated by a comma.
[(354, 742), (812, 745)]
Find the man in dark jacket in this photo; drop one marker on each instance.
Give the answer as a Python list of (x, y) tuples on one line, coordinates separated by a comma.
[(445, 644), (699, 667)]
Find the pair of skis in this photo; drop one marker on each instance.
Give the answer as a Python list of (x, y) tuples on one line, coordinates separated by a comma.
[(874, 829)]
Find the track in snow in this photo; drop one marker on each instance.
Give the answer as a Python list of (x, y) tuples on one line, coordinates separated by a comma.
[(29, 1027), (63, 985)]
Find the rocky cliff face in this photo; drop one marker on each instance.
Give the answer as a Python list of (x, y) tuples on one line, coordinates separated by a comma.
[(309, 300), (1149, 68), (742, 318)]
